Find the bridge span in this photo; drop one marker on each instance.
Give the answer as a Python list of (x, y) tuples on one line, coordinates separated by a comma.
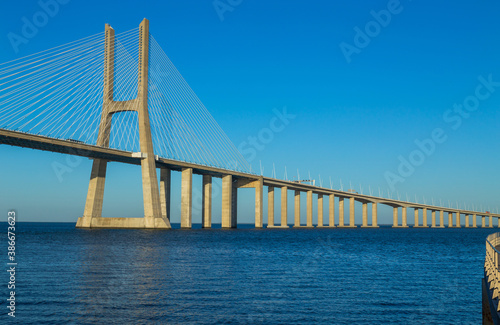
[(118, 98), (233, 180)]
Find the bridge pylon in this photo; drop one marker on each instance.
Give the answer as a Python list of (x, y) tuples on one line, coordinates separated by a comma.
[(153, 217)]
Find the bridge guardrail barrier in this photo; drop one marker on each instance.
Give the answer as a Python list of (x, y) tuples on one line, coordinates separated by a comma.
[(492, 277)]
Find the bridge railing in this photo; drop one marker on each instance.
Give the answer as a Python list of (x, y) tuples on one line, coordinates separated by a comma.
[(491, 263)]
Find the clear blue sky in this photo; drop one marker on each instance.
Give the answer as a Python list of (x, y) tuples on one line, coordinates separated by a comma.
[(353, 119)]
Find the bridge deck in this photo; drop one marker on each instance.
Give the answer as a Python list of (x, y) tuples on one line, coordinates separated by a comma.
[(39, 142), (26, 140)]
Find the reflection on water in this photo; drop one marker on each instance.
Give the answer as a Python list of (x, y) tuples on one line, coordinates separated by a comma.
[(248, 276)]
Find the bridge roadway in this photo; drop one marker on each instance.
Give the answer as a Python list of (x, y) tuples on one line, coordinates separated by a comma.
[(233, 180)]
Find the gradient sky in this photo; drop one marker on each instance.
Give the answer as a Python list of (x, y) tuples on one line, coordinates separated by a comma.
[(354, 120)]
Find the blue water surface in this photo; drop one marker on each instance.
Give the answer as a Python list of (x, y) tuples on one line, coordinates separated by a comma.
[(245, 276)]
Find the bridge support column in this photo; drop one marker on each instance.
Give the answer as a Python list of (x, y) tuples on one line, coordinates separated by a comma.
[(165, 185), (424, 217), (467, 221), (259, 206), (374, 215), (405, 219), (416, 224), (95, 194), (187, 198), (297, 209), (483, 221), (450, 219), (474, 220), (284, 206), (206, 202), (395, 221), (320, 210), (227, 201), (331, 210), (351, 212), (309, 209), (441, 219), (234, 206), (365, 215), (341, 212), (270, 206), (151, 194), (491, 222), (433, 219), (457, 220), (153, 214)]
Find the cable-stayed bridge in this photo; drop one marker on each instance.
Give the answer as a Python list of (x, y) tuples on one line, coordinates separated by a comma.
[(118, 97)]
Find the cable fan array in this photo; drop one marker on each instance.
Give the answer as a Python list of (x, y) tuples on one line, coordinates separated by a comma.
[(59, 93), (178, 116)]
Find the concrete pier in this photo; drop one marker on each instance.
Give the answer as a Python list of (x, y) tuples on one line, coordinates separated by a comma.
[(351, 212), (206, 202), (187, 198), (331, 210), (259, 203), (95, 194), (154, 216), (341, 212), (457, 220), (284, 206), (297, 209), (227, 201), (405, 219), (165, 189), (450, 219), (483, 221), (309, 208), (395, 222), (467, 221), (320, 210), (270, 206), (424, 217), (491, 221), (474, 220), (374, 215), (433, 219), (365, 215), (441, 219), (234, 206), (150, 191), (416, 224)]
